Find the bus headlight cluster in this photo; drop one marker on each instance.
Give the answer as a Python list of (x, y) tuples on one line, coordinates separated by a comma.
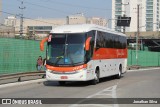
[(81, 70), (70, 72)]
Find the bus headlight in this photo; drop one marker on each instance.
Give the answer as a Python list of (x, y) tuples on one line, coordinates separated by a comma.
[(69, 72), (81, 70)]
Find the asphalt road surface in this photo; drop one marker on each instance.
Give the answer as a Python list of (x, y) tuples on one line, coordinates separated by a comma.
[(133, 84)]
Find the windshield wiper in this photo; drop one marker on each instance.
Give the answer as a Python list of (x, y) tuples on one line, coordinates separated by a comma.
[(79, 63), (58, 59)]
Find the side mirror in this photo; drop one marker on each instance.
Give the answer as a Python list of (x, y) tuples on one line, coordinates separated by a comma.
[(42, 43), (87, 43)]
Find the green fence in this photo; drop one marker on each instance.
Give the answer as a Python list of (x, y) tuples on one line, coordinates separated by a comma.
[(145, 58), (19, 55)]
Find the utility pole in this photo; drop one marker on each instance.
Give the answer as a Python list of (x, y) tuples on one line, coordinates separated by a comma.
[(137, 34), (21, 20)]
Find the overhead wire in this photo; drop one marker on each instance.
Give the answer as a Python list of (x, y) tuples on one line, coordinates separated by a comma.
[(26, 17), (46, 7), (80, 6), (60, 11)]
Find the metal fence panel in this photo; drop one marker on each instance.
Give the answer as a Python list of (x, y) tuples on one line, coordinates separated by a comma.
[(145, 58), (18, 55)]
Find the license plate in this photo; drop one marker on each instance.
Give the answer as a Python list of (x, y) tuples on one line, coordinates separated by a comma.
[(64, 77)]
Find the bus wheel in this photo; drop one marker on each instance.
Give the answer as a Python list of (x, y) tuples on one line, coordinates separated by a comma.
[(96, 78), (62, 83), (118, 76)]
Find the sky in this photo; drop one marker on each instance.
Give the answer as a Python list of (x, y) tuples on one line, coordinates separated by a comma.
[(58, 8)]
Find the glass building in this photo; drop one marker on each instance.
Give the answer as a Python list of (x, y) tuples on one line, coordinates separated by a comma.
[(148, 14)]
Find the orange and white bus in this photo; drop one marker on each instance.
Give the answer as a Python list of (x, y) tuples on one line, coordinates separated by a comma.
[(84, 52)]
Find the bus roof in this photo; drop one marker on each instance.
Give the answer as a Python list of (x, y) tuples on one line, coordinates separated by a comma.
[(81, 28)]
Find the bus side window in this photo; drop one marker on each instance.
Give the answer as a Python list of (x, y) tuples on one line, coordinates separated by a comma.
[(116, 41), (110, 40), (122, 42), (100, 43)]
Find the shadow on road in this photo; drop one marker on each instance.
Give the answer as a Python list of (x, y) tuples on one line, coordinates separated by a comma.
[(111, 78), (78, 83), (68, 84)]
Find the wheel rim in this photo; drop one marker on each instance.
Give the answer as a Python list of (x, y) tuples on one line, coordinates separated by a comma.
[(96, 77), (120, 70), (119, 73)]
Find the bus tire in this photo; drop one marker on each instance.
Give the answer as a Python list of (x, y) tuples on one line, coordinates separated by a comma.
[(119, 75), (96, 78), (62, 83)]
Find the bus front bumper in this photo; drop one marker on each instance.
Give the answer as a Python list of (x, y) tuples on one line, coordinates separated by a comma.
[(80, 75)]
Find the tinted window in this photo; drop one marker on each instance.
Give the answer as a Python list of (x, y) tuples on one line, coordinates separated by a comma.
[(58, 39), (100, 43), (75, 38), (108, 40)]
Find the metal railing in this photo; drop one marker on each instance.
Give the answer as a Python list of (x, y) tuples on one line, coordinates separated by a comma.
[(20, 75)]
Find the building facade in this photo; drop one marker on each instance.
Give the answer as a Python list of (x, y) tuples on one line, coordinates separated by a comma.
[(148, 14), (7, 31), (97, 21), (10, 21), (38, 27), (42, 27), (78, 18)]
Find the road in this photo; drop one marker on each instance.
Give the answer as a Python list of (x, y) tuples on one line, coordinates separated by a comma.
[(135, 84)]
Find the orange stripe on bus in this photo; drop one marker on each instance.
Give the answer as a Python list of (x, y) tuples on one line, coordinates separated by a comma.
[(109, 53), (66, 69)]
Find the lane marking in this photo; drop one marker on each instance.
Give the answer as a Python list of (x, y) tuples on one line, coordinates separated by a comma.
[(112, 94), (21, 83), (42, 80), (112, 90), (143, 69)]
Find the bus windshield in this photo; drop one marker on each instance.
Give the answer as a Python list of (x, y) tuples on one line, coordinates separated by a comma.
[(66, 49)]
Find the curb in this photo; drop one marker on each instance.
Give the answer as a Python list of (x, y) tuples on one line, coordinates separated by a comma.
[(147, 69), (21, 83)]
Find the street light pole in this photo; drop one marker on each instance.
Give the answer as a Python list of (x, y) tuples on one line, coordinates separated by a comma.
[(124, 28), (158, 30), (137, 34)]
